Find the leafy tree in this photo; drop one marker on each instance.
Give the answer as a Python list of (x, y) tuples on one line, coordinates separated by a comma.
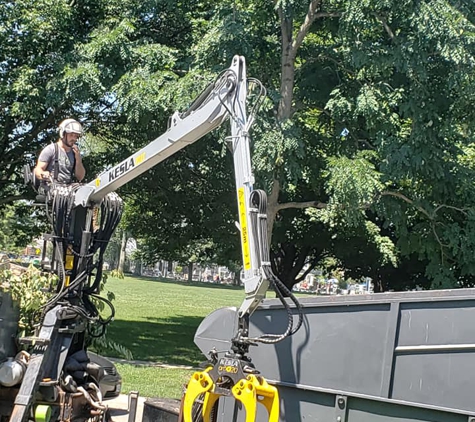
[(376, 141), (406, 83), (110, 64), (373, 121), (19, 223), (367, 132), (102, 62)]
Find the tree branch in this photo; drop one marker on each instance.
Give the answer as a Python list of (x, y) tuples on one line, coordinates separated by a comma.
[(342, 66), (431, 216), (451, 208), (386, 26), (12, 198), (301, 205), (327, 15), (285, 26), (409, 201), (305, 27)]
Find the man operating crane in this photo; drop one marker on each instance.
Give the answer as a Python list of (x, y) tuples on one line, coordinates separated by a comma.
[(61, 161)]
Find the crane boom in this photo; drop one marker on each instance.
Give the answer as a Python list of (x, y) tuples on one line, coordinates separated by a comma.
[(204, 115), (226, 98)]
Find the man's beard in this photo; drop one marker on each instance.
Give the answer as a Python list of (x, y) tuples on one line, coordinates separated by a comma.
[(69, 144)]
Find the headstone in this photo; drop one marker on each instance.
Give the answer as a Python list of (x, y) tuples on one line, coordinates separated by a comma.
[(161, 410)]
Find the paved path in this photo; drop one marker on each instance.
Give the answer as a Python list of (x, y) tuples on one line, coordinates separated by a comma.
[(119, 408), (149, 363)]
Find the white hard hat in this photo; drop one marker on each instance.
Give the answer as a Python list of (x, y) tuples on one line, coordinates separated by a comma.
[(70, 126)]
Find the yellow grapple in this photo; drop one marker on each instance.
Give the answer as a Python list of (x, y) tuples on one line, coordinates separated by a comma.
[(221, 380)]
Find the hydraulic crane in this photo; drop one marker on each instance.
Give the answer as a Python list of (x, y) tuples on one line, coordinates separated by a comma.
[(84, 218)]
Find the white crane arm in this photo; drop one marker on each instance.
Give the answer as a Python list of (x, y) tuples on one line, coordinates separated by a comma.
[(225, 98)]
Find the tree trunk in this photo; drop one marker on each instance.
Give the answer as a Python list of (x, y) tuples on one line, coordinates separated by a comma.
[(272, 204), (284, 109), (190, 271), (123, 243), (237, 278), (286, 81), (288, 263), (290, 46), (138, 267)]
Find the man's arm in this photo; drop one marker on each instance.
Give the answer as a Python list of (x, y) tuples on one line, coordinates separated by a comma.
[(40, 170), (44, 159), (79, 170)]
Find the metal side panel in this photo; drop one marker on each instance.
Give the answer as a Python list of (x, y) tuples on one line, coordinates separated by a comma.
[(405, 356), (361, 410), (338, 347), (435, 348)]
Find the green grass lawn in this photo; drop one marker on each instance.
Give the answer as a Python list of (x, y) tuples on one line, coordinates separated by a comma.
[(153, 381), (156, 320)]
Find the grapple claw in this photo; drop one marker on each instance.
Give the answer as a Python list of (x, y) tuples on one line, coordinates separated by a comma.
[(209, 401), (253, 390), (230, 376), (200, 383)]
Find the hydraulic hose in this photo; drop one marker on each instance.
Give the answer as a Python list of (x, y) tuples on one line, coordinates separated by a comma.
[(108, 217), (259, 226)]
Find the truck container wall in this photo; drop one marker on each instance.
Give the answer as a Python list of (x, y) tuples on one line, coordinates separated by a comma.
[(373, 358)]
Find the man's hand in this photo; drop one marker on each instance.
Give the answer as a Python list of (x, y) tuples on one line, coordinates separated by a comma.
[(45, 174), (79, 171), (76, 151)]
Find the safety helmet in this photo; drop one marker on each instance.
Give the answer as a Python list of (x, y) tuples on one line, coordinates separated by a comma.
[(69, 126)]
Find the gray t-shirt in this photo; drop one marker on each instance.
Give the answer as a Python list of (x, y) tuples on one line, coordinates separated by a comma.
[(66, 163)]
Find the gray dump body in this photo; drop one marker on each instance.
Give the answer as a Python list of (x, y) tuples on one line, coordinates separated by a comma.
[(365, 358)]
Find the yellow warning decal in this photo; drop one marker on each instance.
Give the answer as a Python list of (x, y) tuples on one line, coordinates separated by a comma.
[(246, 255), (69, 259), (140, 158), (98, 182)]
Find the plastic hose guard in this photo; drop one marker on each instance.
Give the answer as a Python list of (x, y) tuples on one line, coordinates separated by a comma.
[(42, 413)]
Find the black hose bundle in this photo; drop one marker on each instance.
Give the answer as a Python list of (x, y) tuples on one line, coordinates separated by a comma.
[(110, 215), (81, 288), (259, 226)]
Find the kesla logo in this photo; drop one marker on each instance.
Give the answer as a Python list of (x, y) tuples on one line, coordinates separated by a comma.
[(120, 170)]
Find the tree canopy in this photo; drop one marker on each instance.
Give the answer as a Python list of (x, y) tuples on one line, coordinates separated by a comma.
[(364, 144)]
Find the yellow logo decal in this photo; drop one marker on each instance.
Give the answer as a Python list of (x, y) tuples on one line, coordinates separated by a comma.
[(246, 255), (98, 182), (140, 158), (228, 369)]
